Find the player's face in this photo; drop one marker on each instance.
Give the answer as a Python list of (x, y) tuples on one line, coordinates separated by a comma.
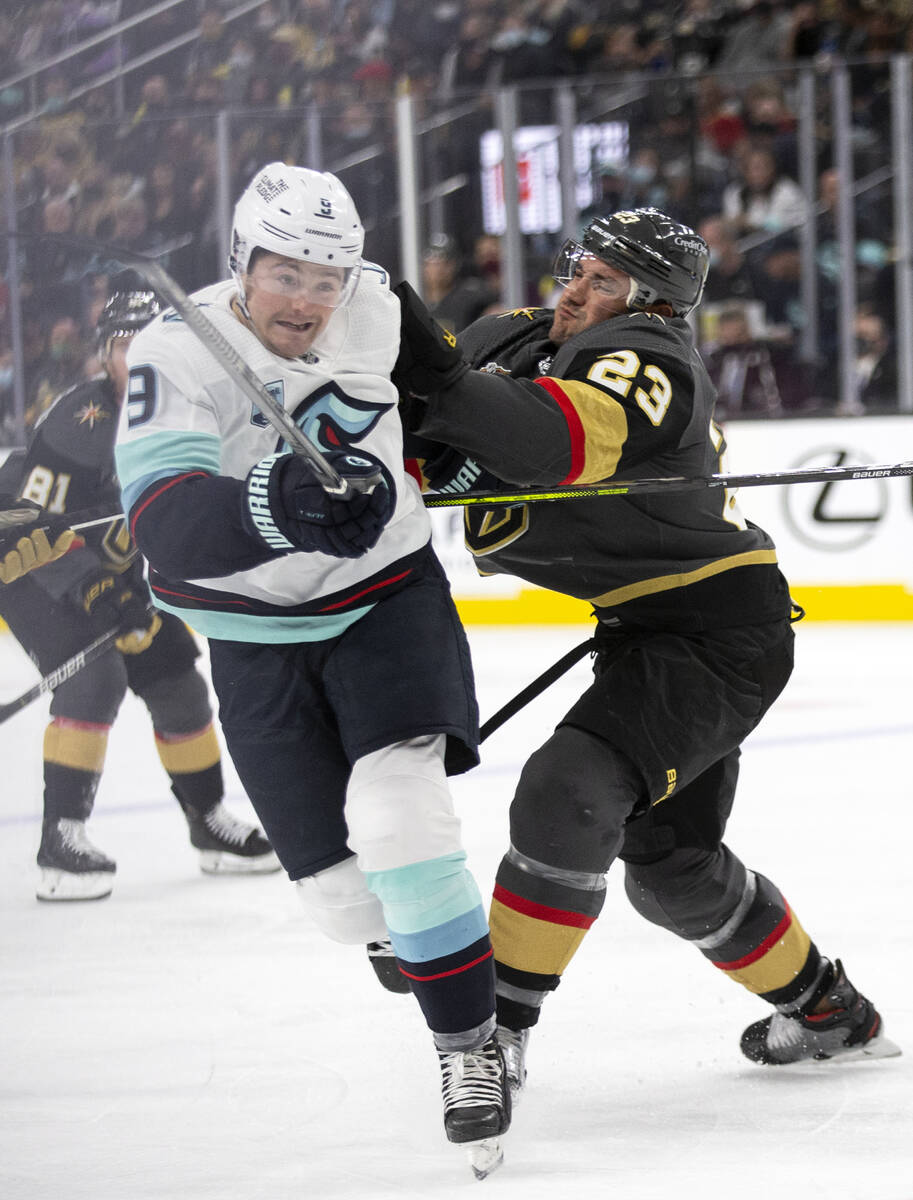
[(595, 293), (290, 302)]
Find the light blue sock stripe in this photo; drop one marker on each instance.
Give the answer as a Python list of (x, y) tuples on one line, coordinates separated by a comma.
[(448, 938), (422, 896)]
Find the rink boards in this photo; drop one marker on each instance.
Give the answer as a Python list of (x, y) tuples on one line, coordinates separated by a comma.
[(846, 547)]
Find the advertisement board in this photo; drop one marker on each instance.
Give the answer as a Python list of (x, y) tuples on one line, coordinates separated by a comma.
[(846, 547)]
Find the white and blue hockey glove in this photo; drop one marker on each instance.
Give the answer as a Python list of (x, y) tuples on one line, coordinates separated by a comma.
[(289, 510)]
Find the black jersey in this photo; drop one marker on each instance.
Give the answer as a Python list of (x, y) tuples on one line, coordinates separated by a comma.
[(628, 398), (68, 467)]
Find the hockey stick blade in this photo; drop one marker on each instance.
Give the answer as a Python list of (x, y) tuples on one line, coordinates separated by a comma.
[(675, 483), (225, 355), (61, 674)]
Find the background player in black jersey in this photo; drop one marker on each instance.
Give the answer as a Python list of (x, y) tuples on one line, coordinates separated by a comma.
[(694, 638), (60, 592)]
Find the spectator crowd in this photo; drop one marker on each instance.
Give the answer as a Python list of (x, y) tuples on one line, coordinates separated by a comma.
[(709, 98)]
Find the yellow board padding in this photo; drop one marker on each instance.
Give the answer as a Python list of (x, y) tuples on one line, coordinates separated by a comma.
[(824, 602), (184, 755), (73, 744)]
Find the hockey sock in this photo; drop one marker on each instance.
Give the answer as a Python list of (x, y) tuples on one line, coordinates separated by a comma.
[(538, 919), (194, 763), (764, 947), (74, 756)]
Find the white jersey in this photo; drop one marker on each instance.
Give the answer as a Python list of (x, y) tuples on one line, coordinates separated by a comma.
[(184, 416)]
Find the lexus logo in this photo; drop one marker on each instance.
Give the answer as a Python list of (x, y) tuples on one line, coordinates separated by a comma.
[(837, 515)]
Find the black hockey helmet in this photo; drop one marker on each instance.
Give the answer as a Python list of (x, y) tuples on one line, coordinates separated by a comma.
[(129, 307), (668, 261)]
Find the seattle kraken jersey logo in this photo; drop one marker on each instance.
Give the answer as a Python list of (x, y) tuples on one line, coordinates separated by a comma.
[(277, 391), (333, 420)]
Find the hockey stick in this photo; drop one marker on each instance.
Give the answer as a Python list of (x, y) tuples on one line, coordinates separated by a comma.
[(226, 356), (61, 674), (675, 483)]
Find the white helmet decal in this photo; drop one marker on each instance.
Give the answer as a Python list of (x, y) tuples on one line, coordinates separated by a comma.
[(302, 214)]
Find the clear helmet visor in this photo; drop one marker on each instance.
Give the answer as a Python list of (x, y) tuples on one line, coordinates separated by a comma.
[(315, 283), (568, 260)]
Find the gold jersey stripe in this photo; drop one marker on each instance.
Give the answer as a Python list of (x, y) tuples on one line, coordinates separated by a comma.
[(605, 429), (665, 583)]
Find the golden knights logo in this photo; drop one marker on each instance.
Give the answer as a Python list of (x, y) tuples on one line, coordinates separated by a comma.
[(90, 413)]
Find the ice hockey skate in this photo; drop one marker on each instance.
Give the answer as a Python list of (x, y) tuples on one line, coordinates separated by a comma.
[(476, 1103), (850, 1029), (383, 959), (228, 846), (513, 1043), (71, 867)]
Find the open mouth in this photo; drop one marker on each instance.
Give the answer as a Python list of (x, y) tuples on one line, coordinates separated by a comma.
[(295, 327)]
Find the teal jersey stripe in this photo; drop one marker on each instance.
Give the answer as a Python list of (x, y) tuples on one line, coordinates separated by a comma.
[(422, 896), (444, 939), (246, 627), (170, 453)]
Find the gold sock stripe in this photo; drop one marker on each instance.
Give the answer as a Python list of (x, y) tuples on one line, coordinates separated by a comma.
[(80, 745), (776, 963), (182, 754), (529, 944)]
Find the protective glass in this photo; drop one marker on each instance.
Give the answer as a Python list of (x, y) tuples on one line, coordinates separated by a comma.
[(315, 283), (570, 262)]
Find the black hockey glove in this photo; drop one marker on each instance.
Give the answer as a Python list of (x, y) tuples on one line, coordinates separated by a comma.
[(429, 358), (288, 509), (110, 602), (22, 548)]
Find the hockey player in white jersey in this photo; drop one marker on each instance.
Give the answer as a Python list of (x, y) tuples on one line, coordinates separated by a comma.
[(342, 671)]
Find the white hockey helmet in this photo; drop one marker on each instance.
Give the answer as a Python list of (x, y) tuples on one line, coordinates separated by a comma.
[(302, 214)]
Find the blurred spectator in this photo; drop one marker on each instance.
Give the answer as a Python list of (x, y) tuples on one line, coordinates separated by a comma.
[(210, 53), (770, 122), (55, 357), (141, 137), (454, 296), (763, 199), (55, 271), (875, 382), (742, 369), (876, 363), (470, 60), (758, 39)]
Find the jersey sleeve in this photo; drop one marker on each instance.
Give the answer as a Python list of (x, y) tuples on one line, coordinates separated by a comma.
[(601, 409), (185, 518)]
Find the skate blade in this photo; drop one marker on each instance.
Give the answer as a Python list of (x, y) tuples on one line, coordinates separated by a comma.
[(66, 885), (878, 1047), (485, 1156), (219, 862)]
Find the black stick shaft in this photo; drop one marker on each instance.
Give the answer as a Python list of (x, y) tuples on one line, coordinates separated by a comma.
[(676, 483), (61, 674)]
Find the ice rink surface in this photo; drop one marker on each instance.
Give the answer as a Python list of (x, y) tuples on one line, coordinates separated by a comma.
[(194, 1037)]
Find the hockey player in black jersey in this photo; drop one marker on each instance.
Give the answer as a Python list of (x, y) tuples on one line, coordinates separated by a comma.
[(694, 638), (62, 590)]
